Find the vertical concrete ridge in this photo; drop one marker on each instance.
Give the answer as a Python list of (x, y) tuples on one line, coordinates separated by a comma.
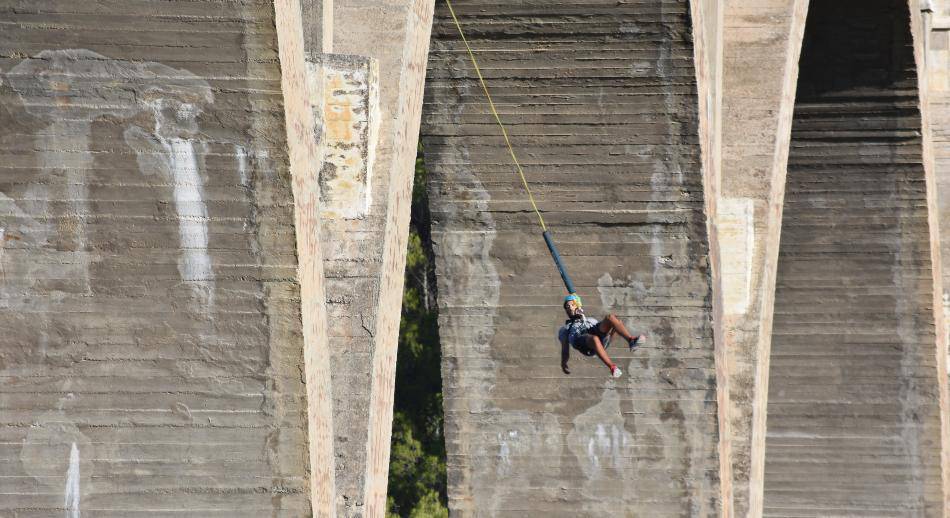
[(760, 53), (304, 157), (318, 26), (776, 203), (373, 85), (920, 34), (708, 17), (392, 276)]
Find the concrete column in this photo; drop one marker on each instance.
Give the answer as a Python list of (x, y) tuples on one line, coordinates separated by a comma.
[(305, 160), (367, 82), (762, 42), (708, 17)]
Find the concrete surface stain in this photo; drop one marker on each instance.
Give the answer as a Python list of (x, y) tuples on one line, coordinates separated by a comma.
[(737, 241), (3, 240), (65, 144), (195, 263), (467, 259), (72, 78), (504, 455), (599, 440), (50, 453), (22, 232), (170, 148), (912, 404), (72, 484), (351, 113), (602, 446), (517, 449), (241, 154)]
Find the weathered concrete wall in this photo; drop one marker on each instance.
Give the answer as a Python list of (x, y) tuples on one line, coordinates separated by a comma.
[(601, 100), (159, 329), (853, 414), (762, 39), (151, 351)]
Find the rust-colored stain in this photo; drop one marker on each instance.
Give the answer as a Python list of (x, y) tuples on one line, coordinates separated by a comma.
[(349, 119), (70, 224), (339, 120)]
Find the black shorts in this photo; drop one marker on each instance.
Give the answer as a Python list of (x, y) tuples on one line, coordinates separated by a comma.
[(594, 331)]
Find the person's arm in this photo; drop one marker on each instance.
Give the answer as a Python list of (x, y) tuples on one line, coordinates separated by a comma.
[(565, 355)]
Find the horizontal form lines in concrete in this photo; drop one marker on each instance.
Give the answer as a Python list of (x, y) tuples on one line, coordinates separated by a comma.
[(150, 355), (853, 417), (601, 103)]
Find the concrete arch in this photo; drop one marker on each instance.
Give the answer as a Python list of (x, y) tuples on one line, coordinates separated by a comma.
[(656, 133)]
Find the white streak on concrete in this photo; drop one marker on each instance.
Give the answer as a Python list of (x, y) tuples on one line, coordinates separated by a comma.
[(600, 441), (946, 313), (737, 244), (192, 212), (181, 163), (241, 155), (504, 458), (72, 484), (3, 236)]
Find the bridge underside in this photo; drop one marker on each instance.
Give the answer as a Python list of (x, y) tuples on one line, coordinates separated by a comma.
[(203, 222)]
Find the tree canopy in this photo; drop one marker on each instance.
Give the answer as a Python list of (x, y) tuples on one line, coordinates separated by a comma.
[(417, 480)]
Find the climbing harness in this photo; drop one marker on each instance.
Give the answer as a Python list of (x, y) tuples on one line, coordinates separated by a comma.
[(511, 150)]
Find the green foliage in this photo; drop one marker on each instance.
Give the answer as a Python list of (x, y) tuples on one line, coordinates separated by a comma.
[(429, 506), (417, 484)]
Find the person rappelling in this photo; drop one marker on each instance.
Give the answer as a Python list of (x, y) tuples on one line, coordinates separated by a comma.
[(591, 337)]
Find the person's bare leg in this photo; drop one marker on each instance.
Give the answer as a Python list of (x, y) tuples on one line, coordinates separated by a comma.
[(612, 323), (594, 343)]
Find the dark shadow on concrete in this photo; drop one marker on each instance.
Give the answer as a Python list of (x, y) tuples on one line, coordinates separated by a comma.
[(853, 419)]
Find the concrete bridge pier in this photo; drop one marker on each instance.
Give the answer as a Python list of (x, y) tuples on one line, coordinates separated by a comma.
[(203, 219)]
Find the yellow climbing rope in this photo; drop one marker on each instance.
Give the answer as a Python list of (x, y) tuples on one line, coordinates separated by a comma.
[(491, 104)]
